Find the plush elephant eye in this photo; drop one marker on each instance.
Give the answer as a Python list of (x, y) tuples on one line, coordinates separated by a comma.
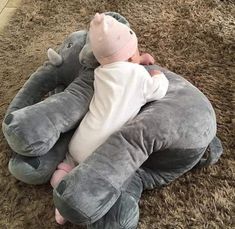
[(131, 32), (69, 45)]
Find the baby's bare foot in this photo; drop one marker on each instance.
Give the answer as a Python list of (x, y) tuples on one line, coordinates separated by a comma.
[(59, 218)]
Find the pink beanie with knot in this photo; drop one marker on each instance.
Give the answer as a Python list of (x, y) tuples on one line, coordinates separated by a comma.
[(111, 40)]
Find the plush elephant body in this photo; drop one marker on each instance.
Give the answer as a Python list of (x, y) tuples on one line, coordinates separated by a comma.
[(166, 139)]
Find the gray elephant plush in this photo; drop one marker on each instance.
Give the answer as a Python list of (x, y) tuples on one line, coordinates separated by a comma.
[(167, 139)]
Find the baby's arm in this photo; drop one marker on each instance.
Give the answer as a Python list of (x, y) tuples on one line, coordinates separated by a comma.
[(155, 87)]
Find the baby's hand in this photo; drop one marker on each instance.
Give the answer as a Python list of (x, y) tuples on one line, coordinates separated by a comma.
[(146, 59), (154, 72)]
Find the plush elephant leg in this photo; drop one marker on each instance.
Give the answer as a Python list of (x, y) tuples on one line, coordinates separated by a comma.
[(90, 190), (124, 214), (165, 166), (114, 208), (215, 151), (169, 165), (38, 170)]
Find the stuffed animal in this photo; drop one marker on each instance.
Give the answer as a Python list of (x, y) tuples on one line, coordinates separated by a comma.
[(167, 138)]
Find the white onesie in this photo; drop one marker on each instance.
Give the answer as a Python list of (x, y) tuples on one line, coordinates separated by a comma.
[(120, 90)]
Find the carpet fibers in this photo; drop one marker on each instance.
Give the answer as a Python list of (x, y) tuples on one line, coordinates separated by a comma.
[(193, 38)]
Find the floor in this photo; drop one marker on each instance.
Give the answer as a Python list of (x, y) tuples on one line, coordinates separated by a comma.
[(7, 9)]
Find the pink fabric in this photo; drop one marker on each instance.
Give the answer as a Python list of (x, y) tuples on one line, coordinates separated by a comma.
[(111, 40)]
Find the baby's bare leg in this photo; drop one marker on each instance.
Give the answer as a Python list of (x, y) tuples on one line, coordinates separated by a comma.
[(62, 170)]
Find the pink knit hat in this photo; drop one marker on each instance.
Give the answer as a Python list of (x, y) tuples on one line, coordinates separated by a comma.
[(111, 40)]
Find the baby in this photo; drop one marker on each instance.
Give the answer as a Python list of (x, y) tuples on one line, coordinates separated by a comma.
[(121, 87)]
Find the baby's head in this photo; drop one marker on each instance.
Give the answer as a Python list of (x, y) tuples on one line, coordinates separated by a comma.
[(112, 41)]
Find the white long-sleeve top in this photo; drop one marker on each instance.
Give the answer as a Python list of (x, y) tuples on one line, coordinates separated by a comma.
[(120, 90)]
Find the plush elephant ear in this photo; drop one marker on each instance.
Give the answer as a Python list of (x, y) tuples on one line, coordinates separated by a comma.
[(118, 17), (55, 58)]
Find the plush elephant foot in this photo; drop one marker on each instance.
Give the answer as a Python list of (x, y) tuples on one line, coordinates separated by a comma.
[(124, 214), (65, 209), (26, 169), (86, 197), (38, 170)]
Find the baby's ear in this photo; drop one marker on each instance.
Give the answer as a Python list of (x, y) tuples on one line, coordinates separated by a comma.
[(130, 59), (55, 58)]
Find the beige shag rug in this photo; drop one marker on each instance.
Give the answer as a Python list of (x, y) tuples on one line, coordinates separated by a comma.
[(194, 38)]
